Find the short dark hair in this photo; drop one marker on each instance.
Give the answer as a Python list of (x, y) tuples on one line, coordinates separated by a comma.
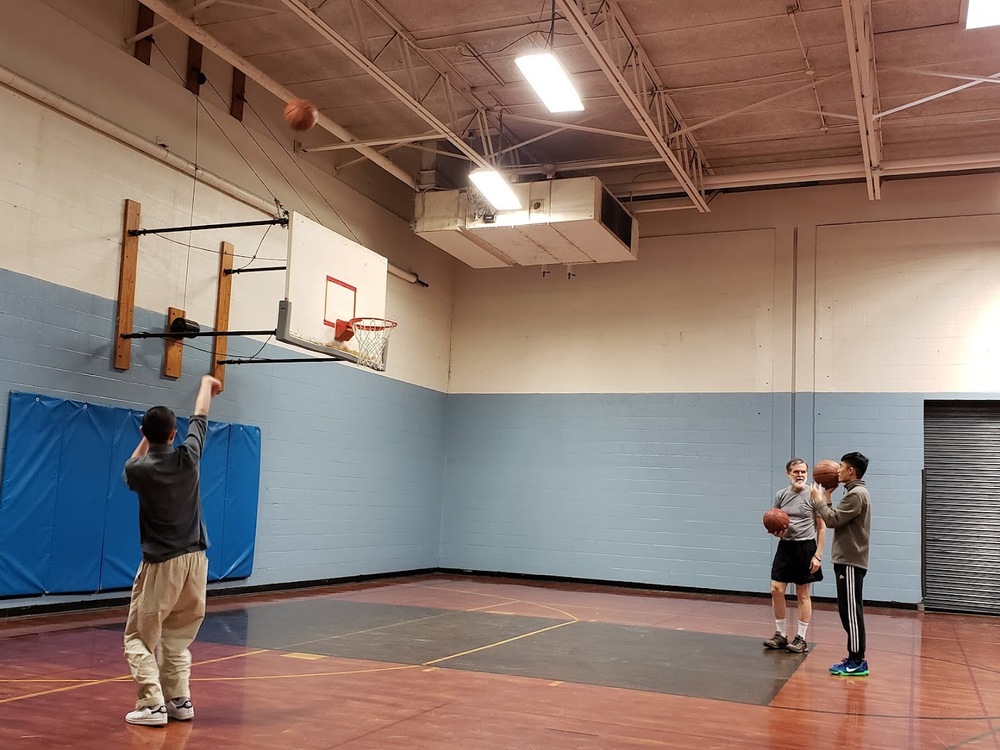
[(858, 461), (157, 424), (793, 462)]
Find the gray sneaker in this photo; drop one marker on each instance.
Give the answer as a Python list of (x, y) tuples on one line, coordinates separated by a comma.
[(798, 645), (776, 641)]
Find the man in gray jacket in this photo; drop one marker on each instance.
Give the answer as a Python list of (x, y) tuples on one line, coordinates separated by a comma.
[(851, 522)]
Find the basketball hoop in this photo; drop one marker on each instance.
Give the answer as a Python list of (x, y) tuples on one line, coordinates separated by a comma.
[(371, 335)]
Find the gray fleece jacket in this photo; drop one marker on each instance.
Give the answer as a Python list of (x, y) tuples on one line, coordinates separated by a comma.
[(851, 522)]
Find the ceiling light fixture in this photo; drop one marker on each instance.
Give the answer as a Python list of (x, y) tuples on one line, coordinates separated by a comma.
[(982, 13), (550, 81), (495, 189), (548, 77)]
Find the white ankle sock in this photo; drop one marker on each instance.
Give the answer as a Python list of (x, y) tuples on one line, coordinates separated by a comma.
[(803, 627), (779, 625)]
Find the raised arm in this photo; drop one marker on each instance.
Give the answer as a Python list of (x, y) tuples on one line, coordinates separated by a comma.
[(141, 449), (209, 387)]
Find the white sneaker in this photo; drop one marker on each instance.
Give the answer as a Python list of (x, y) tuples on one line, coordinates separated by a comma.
[(180, 709), (148, 716)]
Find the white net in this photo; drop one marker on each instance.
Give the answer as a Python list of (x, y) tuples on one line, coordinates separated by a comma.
[(371, 335)]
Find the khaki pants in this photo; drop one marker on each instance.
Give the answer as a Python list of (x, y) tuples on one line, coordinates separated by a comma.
[(167, 607)]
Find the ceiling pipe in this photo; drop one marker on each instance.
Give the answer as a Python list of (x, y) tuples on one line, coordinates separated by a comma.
[(932, 165), (748, 179), (896, 168), (94, 121), (254, 73)]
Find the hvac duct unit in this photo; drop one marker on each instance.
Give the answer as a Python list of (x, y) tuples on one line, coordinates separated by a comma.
[(570, 221)]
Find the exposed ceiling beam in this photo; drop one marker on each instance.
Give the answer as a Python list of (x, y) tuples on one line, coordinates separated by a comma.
[(954, 76), (645, 95), (974, 81), (861, 51), (571, 126), (186, 25), (384, 79), (791, 11), (785, 108), (754, 105), (373, 142), (157, 26)]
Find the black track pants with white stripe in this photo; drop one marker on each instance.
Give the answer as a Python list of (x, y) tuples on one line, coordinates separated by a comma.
[(850, 583)]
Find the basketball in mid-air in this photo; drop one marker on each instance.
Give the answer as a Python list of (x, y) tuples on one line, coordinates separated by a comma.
[(301, 114), (775, 520), (825, 473)]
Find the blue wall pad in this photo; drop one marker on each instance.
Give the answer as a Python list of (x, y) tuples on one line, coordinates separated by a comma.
[(68, 523)]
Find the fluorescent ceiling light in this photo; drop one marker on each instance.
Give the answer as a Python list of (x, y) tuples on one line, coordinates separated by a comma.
[(982, 13), (549, 80), (495, 189)]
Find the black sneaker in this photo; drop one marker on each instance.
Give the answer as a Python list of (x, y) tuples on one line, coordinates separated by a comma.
[(798, 645), (777, 641)]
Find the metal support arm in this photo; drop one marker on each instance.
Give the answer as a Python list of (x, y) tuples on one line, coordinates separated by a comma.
[(281, 221), (200, 334)]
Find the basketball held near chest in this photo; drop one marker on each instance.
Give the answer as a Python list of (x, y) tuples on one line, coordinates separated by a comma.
[(776, 520)]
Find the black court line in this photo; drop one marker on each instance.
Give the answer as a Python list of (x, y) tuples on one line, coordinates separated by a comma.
[(675, 662)]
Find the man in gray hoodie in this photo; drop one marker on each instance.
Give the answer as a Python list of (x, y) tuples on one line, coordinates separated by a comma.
[(851, 522)]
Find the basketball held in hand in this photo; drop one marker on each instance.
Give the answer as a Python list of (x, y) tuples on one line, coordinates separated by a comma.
[(775, 520), (825, 473), (301, 114)]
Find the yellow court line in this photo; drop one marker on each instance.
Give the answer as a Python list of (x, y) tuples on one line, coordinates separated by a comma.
[(498, 643), (250, 678), (77, 686), (254, 678), (106, 680), (497, 596)]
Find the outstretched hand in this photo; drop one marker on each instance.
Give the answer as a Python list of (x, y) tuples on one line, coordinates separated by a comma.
[(209, 388), (215, 384)]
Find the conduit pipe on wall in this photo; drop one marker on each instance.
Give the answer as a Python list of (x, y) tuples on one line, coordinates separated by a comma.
[(85, 117)]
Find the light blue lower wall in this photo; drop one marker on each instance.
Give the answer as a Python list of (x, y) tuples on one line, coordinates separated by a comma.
[(668, 489), (363, 474), (352, 462)]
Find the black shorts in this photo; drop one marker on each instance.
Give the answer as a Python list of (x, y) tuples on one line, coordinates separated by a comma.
[(793, 560)]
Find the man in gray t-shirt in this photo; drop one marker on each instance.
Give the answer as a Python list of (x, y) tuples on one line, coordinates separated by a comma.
[(168, 595), (797, 559)]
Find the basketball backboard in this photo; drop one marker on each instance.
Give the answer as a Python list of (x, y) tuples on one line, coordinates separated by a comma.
[(329, 278)]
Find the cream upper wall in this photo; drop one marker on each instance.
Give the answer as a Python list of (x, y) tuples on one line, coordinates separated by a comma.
[(909, 306), (729, 302), (683, 317), (63, 187)]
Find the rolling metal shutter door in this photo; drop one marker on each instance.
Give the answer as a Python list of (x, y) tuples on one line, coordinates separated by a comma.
[(962, 506)]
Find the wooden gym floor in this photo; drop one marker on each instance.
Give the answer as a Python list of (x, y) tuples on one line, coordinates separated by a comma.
[(435, 662)]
